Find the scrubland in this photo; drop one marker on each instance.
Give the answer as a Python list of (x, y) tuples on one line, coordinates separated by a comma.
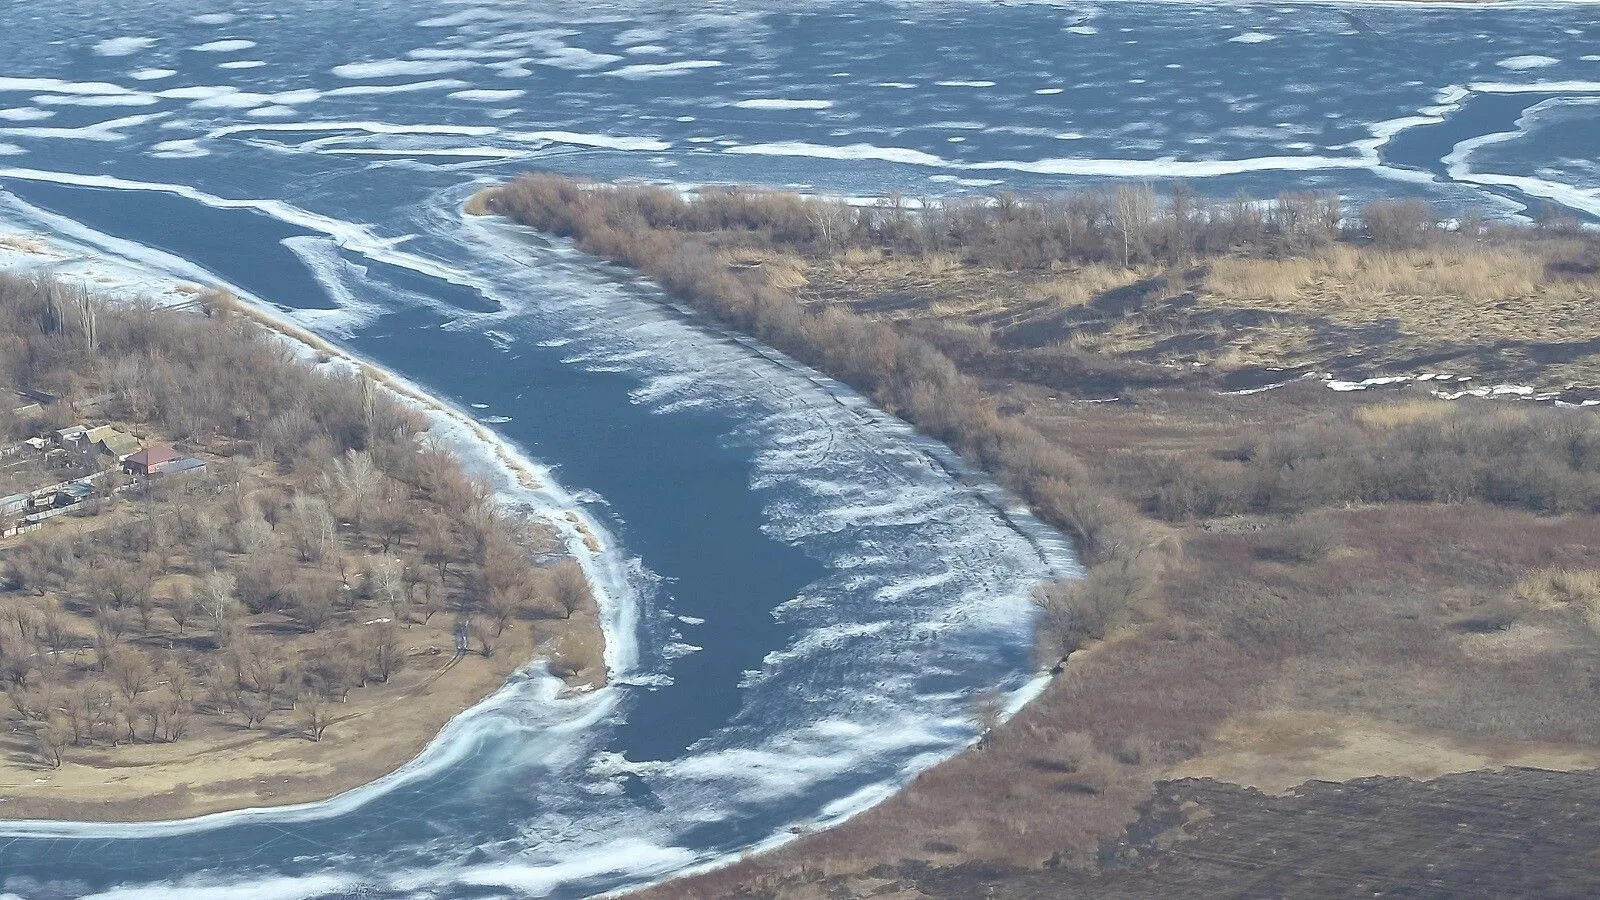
[(1283, 586)]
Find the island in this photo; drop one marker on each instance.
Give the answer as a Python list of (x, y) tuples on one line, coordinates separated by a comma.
[(1333, 474), (239, 571)]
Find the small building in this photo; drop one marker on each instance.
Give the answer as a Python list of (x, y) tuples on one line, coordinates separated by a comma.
[(71, 436), (37, 443), (150, 460), (72, 494), (188, 465), (119, 445), (14, 505)]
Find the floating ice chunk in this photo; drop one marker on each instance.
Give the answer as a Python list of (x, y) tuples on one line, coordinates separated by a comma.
[(242, 64), (643, 49), (123, 46), (24, 114), (606, 141), (95, 100), (362, 90), (227, 45), (638, 35), (386, 68), (971, 84), (1047, 91), (691, 620), (480, 95), (182, 149), (109, 130), (1252, 37), (654, 70), (152, 74), (848, 152), (765, 103), (1081, 29), (57, 86), (898, 85), (213, 18), (1523, 63), (11, 150), (1537, 87), (576, 59), (678, 649)]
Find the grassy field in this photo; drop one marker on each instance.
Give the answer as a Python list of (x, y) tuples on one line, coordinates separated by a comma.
[(1285, 586)]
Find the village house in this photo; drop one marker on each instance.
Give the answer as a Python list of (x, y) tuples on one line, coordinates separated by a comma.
[(150, 460), (185, 466), (72, 494), (113, 442), (14, 505), (73, 437)]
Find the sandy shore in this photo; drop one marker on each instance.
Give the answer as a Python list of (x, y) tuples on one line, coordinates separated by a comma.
[(229, 767)]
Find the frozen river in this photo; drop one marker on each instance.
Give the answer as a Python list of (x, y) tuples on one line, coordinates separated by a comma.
[(803, 598)]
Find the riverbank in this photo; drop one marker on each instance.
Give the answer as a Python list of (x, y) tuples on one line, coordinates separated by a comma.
[(1372, 583), (328, 744)]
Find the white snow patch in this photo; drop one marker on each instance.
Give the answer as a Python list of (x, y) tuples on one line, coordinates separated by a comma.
[(182, 149), (654, 70), (386, 68), (24, 114), (765, 103), (1523, 63), (227, 45), (576, 59), (123, 46), (482, 95), (603, 141)]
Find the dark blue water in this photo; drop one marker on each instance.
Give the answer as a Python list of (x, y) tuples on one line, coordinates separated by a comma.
[(802, 601)]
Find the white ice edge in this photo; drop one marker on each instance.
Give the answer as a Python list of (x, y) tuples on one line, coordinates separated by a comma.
[(619, 607)]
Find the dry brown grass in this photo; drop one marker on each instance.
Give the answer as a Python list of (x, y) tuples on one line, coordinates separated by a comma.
[(1439, 294), (1400, 413), (1083, 285), (1562, 588)]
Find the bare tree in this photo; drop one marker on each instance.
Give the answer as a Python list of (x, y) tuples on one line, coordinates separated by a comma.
[(387, 655), (217, 600), (52, 738), (183, 609), (1133, 207), (315, 716), (568, 588), (483, 632), (129, 669), (315, 532)]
